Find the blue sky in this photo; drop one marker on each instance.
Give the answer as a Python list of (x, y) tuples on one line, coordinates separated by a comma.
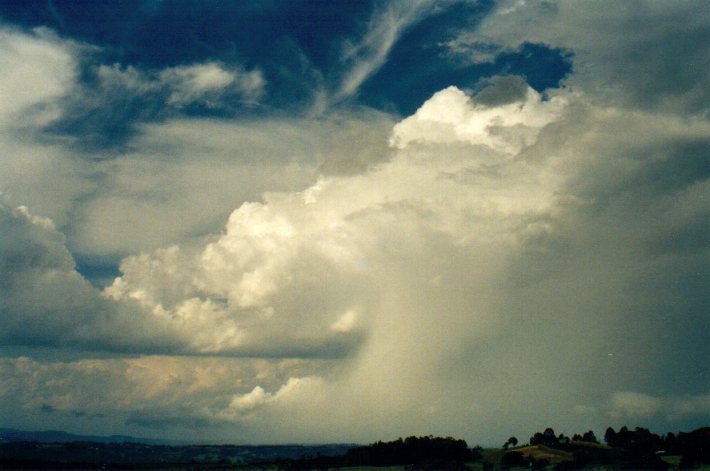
[(298, 45), (455, 217)]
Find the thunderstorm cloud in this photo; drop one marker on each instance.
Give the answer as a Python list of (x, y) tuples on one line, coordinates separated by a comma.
[(183, 253)]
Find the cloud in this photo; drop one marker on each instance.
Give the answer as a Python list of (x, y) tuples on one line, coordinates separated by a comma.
[(508, 258), (499, 90), (315, 233), (34, 258), (245, 403), (211, 84), (491, 262), (517, 241), (197, 82), (629, 405), (492, 241), (450, 117), (618, 57), (45, 302), (141, 392), (183, 177), (167, 182), (38, 68), (632, 405), (386, 26)]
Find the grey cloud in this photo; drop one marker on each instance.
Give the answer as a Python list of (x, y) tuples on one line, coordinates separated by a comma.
[(184, 177), (167, 182), (45, 302), (161, 420), (327, 347), (42, 60), (30, 243), (138, 393), (630, 405), (501, 90), (652, 55)]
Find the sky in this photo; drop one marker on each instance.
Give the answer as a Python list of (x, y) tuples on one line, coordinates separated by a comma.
[(310, 221)]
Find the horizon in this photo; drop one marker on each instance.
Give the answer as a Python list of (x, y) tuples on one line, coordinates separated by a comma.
[(167, 442), (340, 222)]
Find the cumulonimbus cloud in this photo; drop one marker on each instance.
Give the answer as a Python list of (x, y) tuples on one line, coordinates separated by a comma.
[(505, 258), (477, 229)]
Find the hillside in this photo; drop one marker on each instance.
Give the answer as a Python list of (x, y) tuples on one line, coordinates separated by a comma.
[(8, 435)]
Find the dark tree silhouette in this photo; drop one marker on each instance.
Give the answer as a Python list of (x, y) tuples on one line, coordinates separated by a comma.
[(637, 448), (411, 450), (694, 447), (546, 438), (512, 441)]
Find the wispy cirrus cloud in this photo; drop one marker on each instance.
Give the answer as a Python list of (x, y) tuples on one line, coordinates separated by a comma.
[(197, 84), (388, 22)]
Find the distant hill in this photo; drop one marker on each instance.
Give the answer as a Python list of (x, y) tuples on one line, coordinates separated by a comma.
[(8, 435), (90, 454)]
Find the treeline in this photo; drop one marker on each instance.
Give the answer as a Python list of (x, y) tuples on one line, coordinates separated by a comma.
[(625, 449), (630, 449), (693, 447), (419, 452)]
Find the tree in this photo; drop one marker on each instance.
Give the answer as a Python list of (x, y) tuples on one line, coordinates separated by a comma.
[(512, 441), (671, 443), (550, 438), (547, 438), (590, 437)]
